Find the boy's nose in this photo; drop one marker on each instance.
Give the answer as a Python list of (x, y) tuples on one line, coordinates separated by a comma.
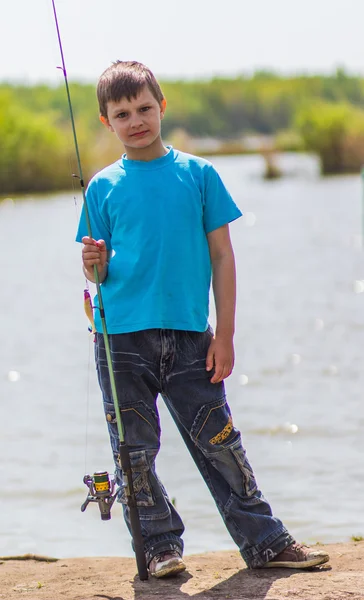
[(136, 121)]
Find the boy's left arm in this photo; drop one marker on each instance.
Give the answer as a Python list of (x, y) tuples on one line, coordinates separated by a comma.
[(221, 351)]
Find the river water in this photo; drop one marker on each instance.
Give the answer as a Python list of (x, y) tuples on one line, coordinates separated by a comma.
[(296, 391)]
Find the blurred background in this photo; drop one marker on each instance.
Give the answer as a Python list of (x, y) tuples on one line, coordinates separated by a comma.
[(273, 95)]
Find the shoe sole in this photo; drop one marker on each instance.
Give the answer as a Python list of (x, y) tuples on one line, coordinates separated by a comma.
[(170, 570), (307, 564)]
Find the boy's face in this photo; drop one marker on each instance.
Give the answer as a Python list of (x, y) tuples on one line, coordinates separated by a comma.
[(137, 123)]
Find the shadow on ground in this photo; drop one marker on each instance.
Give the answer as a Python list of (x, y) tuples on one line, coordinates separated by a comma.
[(243, 585)]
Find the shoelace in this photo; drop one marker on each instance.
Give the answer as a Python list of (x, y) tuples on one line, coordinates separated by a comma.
[(161, 556), (298, 547)]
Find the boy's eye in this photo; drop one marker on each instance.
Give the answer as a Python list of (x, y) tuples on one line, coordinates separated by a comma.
[(122, 115), (145, 108)]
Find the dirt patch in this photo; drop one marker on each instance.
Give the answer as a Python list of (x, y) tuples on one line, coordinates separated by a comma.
[(216, 575)]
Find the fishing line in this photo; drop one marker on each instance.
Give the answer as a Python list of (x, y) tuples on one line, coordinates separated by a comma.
[(87, 287), (87, 404), (99, 486)]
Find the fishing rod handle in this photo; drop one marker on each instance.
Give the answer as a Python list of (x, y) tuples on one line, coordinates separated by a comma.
[(136, 530)]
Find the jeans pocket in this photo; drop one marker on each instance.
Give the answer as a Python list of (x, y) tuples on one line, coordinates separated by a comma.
[(141, 429), (233, 465), (141, 425), (141, 483), (239, 454), (213, 427)]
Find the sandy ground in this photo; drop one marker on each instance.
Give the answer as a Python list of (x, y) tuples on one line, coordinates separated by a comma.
[(217, 575)]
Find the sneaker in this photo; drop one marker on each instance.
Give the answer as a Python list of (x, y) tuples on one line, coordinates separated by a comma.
[(166, 564), (298, 556)]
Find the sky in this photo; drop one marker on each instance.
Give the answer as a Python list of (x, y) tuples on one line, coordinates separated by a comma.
[(180, 39)]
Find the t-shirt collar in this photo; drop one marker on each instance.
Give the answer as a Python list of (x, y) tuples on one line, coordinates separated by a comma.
[(149, 165)]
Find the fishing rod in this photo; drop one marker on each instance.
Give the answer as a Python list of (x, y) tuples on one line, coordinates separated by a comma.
[(101, 486)]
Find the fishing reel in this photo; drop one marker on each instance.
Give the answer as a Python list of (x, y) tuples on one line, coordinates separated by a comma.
[(101, 487)]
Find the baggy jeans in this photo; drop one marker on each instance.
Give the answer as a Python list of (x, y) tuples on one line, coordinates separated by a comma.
[(172, 363)]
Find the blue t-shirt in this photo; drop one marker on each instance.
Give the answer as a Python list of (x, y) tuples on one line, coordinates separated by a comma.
[(154, 216)]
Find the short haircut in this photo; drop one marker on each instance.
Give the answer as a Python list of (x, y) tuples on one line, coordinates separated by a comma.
[(125, 79)]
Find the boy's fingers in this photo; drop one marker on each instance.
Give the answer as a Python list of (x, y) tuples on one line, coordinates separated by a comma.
[(209, 360), (88, 240), (221, 373), (226, 373), (90, 255), (217, 376)]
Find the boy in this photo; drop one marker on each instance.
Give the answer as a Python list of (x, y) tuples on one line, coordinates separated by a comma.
[(161, 220)]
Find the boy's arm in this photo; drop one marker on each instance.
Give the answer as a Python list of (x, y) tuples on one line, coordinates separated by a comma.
[(221, 351)]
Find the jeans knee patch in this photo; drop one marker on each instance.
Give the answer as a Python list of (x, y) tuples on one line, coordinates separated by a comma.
[(231, 461), (214, 433), (239, 454), (141, 428), (141, 482), (235, 468)]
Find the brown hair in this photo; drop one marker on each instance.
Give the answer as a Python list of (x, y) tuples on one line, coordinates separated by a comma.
[(125, 79)]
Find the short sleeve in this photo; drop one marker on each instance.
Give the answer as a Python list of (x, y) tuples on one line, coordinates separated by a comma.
[(219, 207), (99, 228)]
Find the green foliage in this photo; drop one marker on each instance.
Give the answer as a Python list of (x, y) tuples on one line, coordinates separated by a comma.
[(32, 148), (336, 133), (225, 107), (37, 151)]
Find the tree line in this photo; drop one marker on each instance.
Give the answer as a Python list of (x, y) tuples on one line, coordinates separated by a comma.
[(321, 113)]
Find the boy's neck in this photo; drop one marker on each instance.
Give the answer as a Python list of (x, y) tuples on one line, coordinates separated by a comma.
[(155, 150)]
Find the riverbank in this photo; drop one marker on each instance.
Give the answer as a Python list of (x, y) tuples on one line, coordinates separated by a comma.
[(216, 575), (319, 113)]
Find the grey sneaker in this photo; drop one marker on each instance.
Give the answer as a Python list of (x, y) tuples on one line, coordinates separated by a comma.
[(298, 556), (166, 564)]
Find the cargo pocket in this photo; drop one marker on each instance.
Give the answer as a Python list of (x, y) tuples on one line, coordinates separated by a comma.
[(213, 426), (141, 429), (142, 488), (234, 466), (239, 454), (141, 426)]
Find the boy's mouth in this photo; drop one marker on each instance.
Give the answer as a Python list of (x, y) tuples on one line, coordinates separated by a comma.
[(139, 134)]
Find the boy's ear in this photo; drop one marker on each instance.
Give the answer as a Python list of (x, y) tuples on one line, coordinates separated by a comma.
[(163, 107), (105, 121)]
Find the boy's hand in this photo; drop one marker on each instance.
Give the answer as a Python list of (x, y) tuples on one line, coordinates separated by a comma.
[(221, 356), (94, 253)]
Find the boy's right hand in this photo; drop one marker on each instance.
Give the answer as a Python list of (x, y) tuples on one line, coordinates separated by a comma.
[(94, 253)]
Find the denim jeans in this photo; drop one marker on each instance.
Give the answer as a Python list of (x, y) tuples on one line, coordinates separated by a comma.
[(172, 363)]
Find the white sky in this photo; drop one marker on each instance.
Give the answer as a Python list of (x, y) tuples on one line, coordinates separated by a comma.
[(187, 38)]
